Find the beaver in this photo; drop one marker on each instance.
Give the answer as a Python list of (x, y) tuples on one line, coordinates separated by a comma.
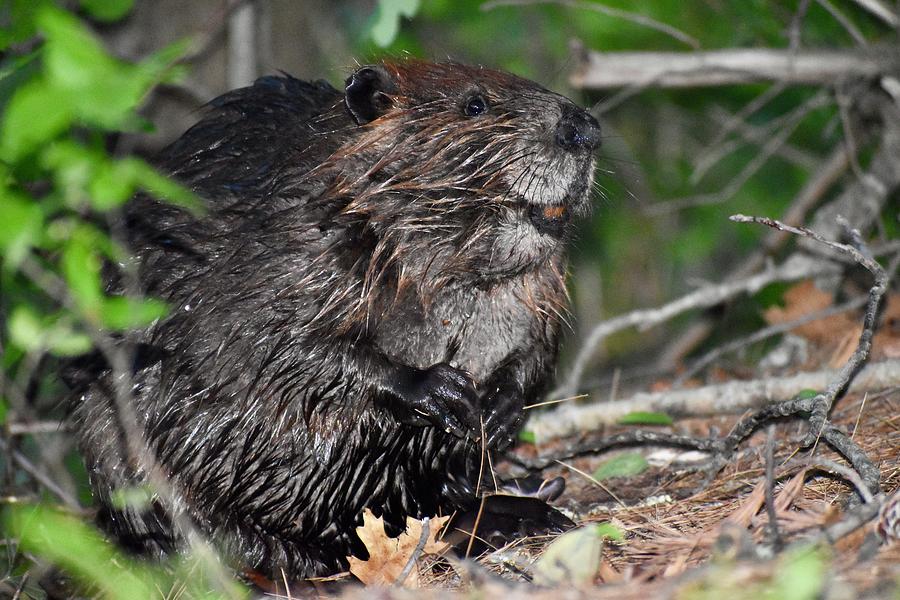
[(373, 293)]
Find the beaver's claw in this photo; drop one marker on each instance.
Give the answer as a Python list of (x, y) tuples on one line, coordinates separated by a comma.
[(442, 396), (502, 413)]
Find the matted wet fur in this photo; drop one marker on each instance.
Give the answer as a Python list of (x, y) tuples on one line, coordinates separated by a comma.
[(373, 294)]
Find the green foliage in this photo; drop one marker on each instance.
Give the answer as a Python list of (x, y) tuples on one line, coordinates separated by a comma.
[(623, 465), (76, 88), (799, 574), (60, 98), (79, 549), (388, 16), (645, 418)]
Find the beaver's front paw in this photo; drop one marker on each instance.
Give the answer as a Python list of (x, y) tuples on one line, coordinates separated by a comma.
[(440, 395), (502, 411)]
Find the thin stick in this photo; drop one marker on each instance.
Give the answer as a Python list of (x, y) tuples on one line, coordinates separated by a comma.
[(420, 547), (475, 527), (39, 476), (762, 334), (845, 22), (878, 9), (798, 267), (846, 373), (609, 11), (774, 535)]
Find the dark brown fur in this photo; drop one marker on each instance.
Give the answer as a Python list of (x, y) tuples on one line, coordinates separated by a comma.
[(374, 293)]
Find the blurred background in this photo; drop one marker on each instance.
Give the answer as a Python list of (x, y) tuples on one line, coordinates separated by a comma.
[(87, 86), (674, 165), (675, 161)]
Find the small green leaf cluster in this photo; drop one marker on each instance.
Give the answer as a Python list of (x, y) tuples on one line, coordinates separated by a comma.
[(58, 183), (63, 99)]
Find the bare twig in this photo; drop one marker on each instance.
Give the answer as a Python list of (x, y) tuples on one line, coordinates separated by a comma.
[(878, 9), (762, 334), (795, 29), (813, 191), (845, 22), (637, 18), (861, 202), (417, 552), (791, 121), (39, 476), (748, 110), (798, 267), (831, 466), (31, 428), (604, 70), (846, 373), (242, 60), (853, 520), (748, 134)]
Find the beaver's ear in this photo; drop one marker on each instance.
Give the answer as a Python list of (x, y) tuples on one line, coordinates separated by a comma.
[(367, 93)]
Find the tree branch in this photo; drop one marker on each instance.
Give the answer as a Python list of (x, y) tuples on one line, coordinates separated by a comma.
[(604, 70)]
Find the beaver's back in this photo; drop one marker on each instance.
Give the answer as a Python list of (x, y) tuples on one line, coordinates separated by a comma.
[(376, 283)]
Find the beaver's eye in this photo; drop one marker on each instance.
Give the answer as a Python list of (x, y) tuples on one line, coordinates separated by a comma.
[(476, 105)]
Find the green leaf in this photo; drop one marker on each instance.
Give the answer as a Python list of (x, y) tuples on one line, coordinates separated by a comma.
[(4, 410), (34, 333), (610, 531), (111, 186), (73, 167), (121, 312), (107, 10), (101, 90), (387, 19), (527, 436), (801, 574), (81, 268), (36, 114), (572, 558), (18, 26), (80, 550), (623, 465), (20, 227), (62, 340), (26, 330), (147, 178), (645, 418), (137, 497)]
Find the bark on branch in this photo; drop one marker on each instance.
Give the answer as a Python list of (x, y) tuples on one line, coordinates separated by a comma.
[(726, 398), (604, 70)]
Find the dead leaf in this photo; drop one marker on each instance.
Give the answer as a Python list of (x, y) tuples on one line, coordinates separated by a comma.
[(836, 335), (886, 343), (388, 556)]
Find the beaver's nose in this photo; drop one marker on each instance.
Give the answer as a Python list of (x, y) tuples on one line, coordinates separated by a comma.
[(577, 130)]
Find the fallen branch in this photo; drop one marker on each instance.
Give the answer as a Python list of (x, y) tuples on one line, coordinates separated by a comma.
[(605, 70), (726, 398)]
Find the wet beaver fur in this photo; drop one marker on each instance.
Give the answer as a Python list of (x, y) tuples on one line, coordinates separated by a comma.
[(373, 293)]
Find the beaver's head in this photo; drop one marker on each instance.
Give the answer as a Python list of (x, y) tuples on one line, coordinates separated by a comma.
[(476, 170)]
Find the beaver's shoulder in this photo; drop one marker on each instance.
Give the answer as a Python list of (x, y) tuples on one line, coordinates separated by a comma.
[(247, 133)]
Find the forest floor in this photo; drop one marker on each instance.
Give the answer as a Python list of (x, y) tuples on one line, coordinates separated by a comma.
[(679, 543)]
